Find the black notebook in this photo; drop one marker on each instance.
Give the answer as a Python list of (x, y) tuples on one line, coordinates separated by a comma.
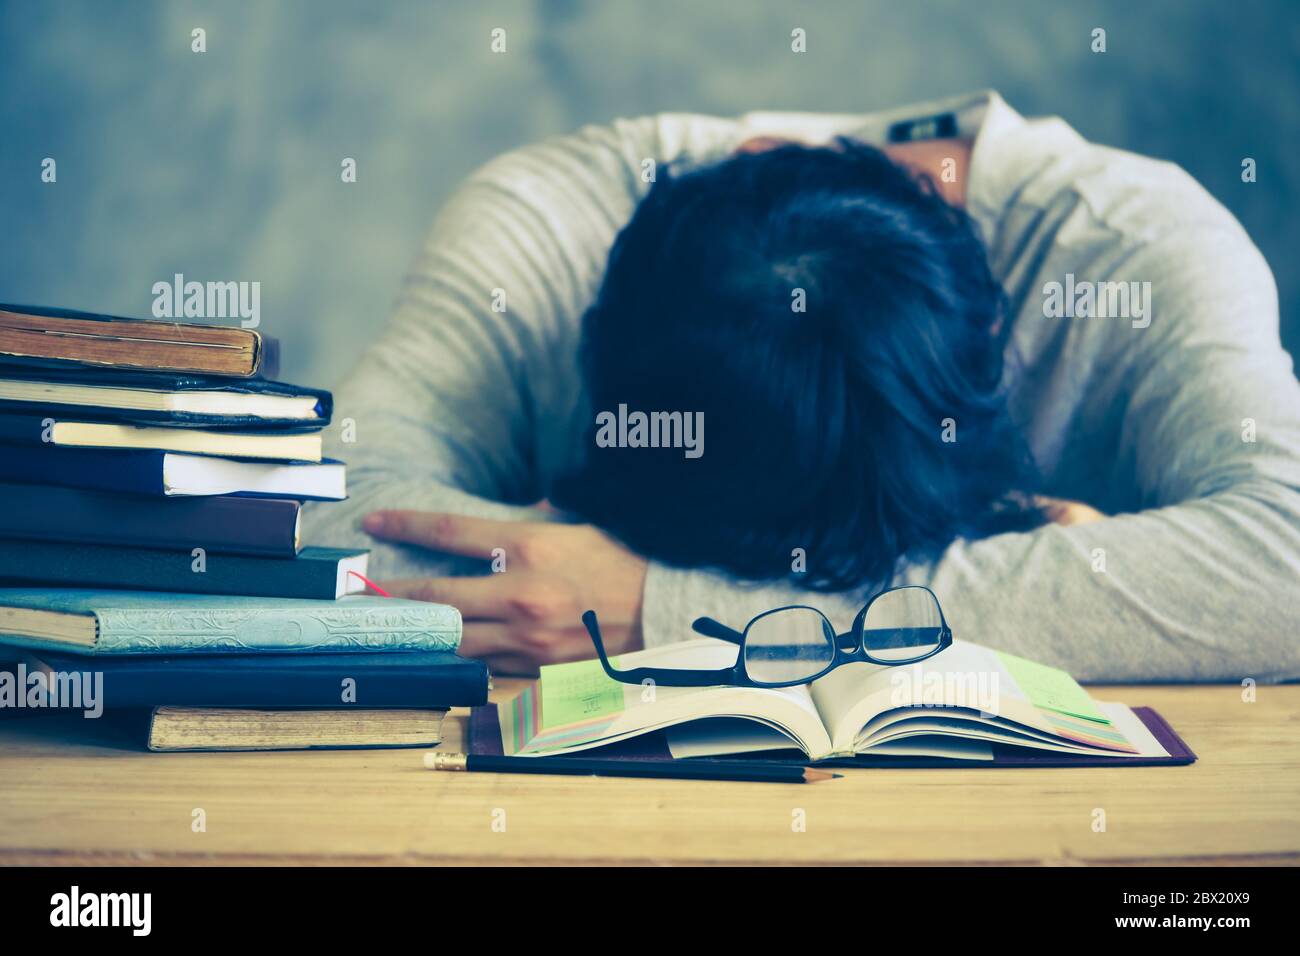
[(352, 679), (220, 524), (321, 573), (146, 398), (171, 474)]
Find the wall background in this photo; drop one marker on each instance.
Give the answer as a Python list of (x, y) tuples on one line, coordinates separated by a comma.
[(225, 165)]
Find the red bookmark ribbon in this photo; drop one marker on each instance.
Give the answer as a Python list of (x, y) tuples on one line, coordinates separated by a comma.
[(371, 584)]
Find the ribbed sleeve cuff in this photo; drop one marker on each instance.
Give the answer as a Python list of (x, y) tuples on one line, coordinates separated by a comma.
[(664, 620), (673, 598)]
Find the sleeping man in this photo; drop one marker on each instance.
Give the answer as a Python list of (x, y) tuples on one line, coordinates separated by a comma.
[(683, 366)]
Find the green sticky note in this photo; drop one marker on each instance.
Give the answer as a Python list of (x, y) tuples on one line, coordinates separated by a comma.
[(572, 693), (1050, 688)]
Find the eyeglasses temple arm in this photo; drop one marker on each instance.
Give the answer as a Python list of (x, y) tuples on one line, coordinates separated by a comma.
[(711, 628), (668, 676)]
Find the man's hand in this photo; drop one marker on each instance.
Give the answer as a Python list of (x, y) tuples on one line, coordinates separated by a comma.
[(530, 613), (1062, 511)]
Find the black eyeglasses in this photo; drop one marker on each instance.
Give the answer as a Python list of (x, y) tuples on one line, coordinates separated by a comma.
[(797, 644)]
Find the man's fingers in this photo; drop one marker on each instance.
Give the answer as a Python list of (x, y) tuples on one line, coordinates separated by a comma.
[(454, 534), (1065, 512), (486, 596), (488, 639)]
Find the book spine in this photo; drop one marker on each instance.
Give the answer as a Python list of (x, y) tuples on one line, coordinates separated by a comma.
[(23, 429), (194, 571), (230, 630), (188, 684), (149, 417), (129, 343), (217, 524), (134, 472)]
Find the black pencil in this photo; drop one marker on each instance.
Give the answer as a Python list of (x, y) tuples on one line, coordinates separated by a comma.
[(604, 767)]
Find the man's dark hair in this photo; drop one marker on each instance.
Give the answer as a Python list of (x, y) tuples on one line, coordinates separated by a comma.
[(824, 426)]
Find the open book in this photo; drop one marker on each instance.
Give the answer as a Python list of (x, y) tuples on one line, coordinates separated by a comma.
[(958, 705)]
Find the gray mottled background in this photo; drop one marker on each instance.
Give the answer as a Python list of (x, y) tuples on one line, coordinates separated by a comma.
[(225, 165)]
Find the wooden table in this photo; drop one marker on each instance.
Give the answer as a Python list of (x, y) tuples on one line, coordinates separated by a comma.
[(81, 791)]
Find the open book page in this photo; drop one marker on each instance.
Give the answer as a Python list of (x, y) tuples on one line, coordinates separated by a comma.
[(962, 721), (726, 737), (908, 733), (903, 727), (979, 692), (907, 726), (1135, 732), (578, 706)]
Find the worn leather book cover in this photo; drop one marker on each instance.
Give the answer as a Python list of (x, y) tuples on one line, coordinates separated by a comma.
[(37, 334)]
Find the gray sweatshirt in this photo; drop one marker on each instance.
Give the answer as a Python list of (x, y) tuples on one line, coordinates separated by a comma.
[(1177, 412)]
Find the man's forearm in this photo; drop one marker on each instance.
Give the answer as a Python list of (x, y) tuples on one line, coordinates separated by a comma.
[(1202, 591)]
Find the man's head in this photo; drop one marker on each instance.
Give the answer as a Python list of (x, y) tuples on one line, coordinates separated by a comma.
[(836, 325)]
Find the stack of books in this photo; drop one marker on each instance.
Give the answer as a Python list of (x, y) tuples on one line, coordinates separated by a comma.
[(158, 455), (152, 478)]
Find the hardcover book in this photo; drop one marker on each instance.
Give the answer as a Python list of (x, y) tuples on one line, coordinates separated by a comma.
[(320, 573), (168, 399), (303, 678), (199, 728), (47, 430), (37, 334), (145, 622), (222, 525), (168, 473)]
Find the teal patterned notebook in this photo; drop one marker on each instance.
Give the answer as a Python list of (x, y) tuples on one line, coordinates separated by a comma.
[(151, 622)]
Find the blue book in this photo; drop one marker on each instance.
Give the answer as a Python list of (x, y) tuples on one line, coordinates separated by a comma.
[(147, 622), (347, 682), (166, 473), (313, 574)]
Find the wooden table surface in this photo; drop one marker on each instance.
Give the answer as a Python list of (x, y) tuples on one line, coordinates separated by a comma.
[(76, 791)]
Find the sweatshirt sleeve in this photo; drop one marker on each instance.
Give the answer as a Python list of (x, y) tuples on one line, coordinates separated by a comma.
[(468, 400), (431, 416), (461, 402), (1202, 583)]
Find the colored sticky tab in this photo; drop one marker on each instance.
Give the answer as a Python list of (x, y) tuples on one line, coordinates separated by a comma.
[(573, 693), (1050, 688)]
